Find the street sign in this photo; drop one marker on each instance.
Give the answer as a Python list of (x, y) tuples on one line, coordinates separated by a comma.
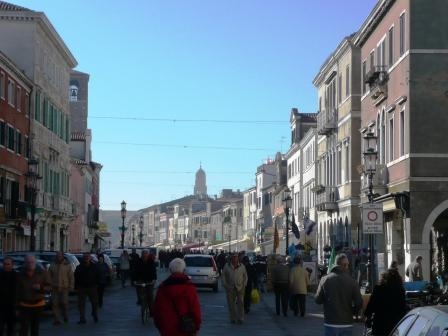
[(372, 218)]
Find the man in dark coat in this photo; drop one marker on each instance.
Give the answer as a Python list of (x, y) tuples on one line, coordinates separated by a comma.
[(147, 274), (87, 278), (251, 283), (8, 278)]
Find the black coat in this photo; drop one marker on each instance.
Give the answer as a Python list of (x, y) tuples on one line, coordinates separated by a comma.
[(388, 306), (87, 276), (7, 290), (146, 271)]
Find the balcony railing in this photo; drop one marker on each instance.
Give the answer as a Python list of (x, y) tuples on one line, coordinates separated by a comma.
[(327, 121), (377, 79), (326, 199)]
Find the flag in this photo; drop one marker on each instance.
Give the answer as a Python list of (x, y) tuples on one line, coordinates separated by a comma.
[(295, 228), (332, 260), (309, 225), (276, 238)]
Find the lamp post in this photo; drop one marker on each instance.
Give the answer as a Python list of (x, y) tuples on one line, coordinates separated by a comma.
[(133, 234), (32, 177), (370, 157), (140, 223), (123, 216), (287, 200)]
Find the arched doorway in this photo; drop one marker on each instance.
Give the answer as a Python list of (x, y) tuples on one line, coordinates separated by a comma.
[(435, 236), (439, 245)]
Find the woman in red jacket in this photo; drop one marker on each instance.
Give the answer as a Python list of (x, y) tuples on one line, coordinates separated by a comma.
[(177, 300)]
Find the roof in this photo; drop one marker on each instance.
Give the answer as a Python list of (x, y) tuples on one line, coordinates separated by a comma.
[(6, 6)]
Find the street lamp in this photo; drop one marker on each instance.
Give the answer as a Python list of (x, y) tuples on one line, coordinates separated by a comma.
[(287, 200), (123, 216), (370, 156), (140, 223), (133, 234), (32, 177)]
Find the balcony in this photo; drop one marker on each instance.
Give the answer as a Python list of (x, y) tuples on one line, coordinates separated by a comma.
[(326, 199), (327, 121), (377, 79)]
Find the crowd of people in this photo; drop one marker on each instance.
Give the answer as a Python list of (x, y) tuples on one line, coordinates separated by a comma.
[(23, 293)]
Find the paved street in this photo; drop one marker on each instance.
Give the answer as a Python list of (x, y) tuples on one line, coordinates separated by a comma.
[(120, 316)]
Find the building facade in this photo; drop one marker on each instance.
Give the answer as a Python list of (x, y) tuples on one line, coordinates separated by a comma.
[(47, 62), (404, 104), (338, 180), (15, 93)]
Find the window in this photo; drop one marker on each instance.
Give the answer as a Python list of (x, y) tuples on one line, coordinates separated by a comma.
[(339, 89), (381, 53), (391, 46), (19, 149), (11, 93), (401, 328), (402, 133), (347, 81), (391, 140), (402, 34), (2, 133), (19, 99), (11, 138), (364, 71), (372, 59), (2, 85)]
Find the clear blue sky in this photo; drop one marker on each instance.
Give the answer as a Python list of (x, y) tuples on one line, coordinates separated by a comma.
[(233, 60)]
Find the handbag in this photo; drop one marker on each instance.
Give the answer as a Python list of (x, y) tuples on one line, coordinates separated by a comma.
[(186, 322), (255, 296)]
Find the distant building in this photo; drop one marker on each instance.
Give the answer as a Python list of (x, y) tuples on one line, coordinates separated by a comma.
[(200, 184)]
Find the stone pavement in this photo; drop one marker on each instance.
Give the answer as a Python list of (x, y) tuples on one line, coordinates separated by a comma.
[(120, 316)]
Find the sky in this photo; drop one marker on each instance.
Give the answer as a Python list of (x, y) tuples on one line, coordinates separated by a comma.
[(177, 84)]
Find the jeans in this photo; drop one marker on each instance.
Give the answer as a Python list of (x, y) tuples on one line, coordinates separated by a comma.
[(124, 274), (332, 331), (281, 291), (298, 304), (83, 294), (29, 320)]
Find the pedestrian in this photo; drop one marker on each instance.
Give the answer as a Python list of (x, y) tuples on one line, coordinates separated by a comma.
[(251, 283), (87, 277), (147, 273), (234, 281), (8, 280), (62, 282), (134, 260), (260, 267), (32, 284), (299, 281), (341, 297), (125, 267), (280, 282), (221, 261), (414, 270), (104, 271), (176, 297), (387, 304)]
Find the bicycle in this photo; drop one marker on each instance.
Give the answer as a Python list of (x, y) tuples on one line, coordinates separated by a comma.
[(145, 296)]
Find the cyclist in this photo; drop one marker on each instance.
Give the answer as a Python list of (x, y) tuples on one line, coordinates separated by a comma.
[(147, 274)]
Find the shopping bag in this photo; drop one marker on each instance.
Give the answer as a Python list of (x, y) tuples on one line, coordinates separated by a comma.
[(255, 296)]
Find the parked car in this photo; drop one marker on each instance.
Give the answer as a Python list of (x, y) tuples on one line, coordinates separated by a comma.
[(423, 321), (48, 256), (202, 270)]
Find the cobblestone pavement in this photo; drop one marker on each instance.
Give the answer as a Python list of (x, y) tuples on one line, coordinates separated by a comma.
[(120, 316)]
